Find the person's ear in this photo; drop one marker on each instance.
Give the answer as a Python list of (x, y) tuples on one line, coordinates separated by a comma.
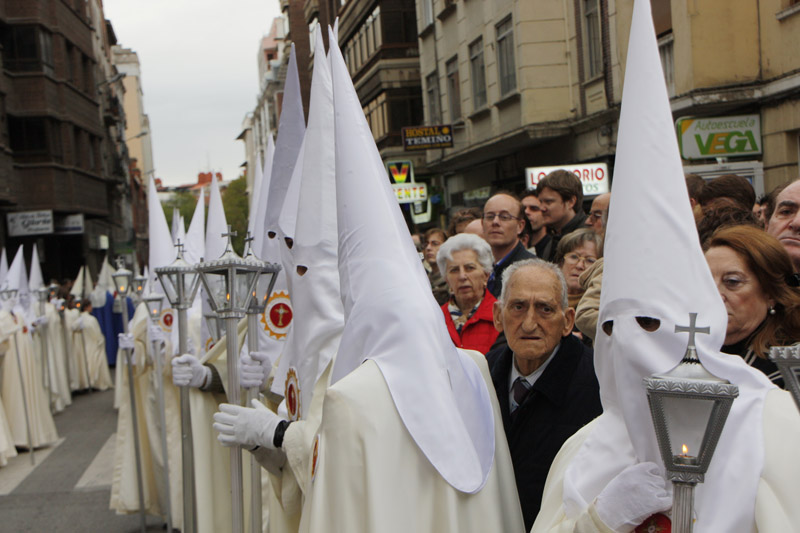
[(497, 316), (569, 321)]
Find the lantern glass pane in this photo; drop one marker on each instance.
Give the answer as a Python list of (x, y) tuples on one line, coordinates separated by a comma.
[(687, 420), (244, 284), (212, 325), (169, 283), (189, 285), (217, 289)]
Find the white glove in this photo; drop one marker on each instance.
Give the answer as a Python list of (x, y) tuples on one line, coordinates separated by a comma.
[(254, 369), (78, 324), (39, 321), (125, 341), (57, 303), (187, 370), (637, 493), (156, 333), (245, 426)]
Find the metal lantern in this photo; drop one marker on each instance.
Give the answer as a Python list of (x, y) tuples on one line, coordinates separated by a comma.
[(42, 296), (787, 359), (154, 303), (138, 285), (7, 294), (265, 283), (122, 279), (180, 281), (52, 290), (689, 406)]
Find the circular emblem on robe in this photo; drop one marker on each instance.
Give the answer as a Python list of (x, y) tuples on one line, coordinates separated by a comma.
[(277, 315), (315, 458), (658, 523), (292, 394), (210, 343), (167, 319)]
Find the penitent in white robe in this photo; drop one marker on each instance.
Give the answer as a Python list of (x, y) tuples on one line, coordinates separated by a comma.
[(7, 448), (371, 476), (43, 429), (93, 356), (211, 459), (58, 358), (124, 491), (776, 506)]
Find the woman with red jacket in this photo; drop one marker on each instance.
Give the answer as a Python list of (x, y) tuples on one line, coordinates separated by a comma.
[(466, 261)]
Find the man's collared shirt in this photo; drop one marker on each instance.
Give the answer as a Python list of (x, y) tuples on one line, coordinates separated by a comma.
[(530, 378)]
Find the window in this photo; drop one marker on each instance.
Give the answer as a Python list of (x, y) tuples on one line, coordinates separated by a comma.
[(427, 13), (35, 139), (594, 51), (376, 117), (27, 49), (363, 44), (453, 89), (666, 51), (70, 63), (432, 90), (506, 70), (478, 74)]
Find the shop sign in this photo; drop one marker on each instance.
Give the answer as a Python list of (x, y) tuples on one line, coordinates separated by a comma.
[(708, 138), (594, 176), (30, 223), (410, 192), (427, 137), (69, 224)]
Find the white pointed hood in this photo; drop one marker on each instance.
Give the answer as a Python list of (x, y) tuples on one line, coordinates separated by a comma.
[(105, 284), (35, 279), (258, 179), (386, 296), (316, 299), (217, 224), (195, 239), (261, 202), (3, 266), (291, 129), (18, 279), (83, 284), (162, 251), (667, 278)]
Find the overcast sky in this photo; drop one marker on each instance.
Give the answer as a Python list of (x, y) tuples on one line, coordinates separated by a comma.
[(199, 74)]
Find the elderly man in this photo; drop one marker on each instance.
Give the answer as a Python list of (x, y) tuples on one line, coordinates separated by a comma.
[(544, 378), (503, 221), (783, 220), (597, 212)]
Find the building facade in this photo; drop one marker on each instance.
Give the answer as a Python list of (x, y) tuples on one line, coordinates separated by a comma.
[(63, 168), (527, 84)]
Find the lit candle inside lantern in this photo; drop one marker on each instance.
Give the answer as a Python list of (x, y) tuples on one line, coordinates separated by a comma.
[(684, 458)]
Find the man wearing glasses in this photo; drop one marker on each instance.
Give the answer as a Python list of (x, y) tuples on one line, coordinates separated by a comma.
[(596, 213), (502, 223)]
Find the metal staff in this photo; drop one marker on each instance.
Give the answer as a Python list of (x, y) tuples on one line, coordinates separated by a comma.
[(258, 303), (180, 282), (230, 282), (122, 279), (41, 295), (153, 302)]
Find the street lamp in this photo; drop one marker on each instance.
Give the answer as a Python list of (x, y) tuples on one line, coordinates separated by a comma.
[(689, 406), (258, 303), (787, 359), (7, 294), (180, 282), (122, 281), (230, 282)]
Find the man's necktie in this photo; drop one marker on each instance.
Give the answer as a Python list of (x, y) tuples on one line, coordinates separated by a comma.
[(519, 390)]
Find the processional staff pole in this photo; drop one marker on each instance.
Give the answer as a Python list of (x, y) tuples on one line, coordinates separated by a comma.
[(122, 279), (83, 336)]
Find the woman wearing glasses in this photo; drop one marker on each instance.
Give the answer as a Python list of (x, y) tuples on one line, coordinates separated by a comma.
[(576, 252)]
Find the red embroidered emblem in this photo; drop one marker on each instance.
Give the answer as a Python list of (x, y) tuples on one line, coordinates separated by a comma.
[(658, 523)]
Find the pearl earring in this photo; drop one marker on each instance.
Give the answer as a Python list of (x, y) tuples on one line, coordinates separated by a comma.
[(772, 310)]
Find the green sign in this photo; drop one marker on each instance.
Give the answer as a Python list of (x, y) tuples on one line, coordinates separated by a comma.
[(708, 138)]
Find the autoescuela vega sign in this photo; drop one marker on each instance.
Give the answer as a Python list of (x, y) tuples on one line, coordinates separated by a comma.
[(707, 138)]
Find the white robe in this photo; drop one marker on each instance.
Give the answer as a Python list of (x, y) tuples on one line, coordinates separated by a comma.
[(70, 316), (775, 505), (58, 358), (124, 490), (7, 448), (43, 429), (371, 476), (93, 356)]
